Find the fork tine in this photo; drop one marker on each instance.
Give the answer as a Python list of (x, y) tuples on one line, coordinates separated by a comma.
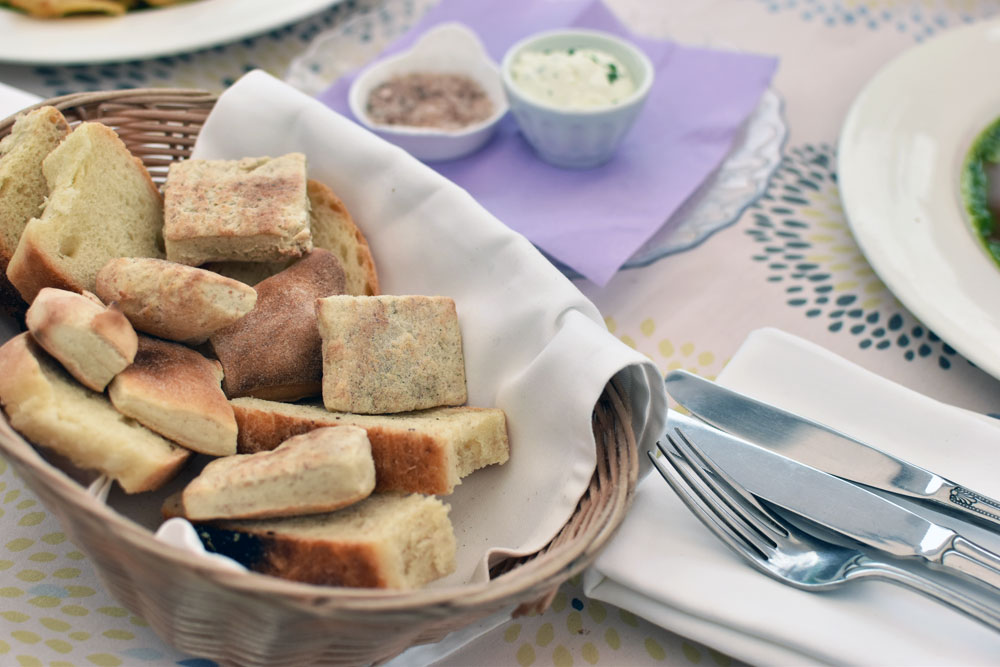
[(721, 515), (709, 518), (729, 490)]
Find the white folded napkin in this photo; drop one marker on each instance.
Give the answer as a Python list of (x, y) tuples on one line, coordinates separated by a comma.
[(665, 566)]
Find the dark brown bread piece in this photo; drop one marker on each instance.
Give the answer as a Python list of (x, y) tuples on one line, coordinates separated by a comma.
[(275, 351)]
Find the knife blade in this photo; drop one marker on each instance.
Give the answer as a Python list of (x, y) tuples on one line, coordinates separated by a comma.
[(824, 448), (841, 506)]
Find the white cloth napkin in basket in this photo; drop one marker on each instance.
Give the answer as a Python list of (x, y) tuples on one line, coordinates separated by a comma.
[(665, 566)]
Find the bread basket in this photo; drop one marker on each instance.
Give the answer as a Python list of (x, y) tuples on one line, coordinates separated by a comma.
[(251, 619)]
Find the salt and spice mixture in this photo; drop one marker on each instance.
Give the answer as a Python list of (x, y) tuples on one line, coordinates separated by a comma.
[(429, 99), (572, 78)]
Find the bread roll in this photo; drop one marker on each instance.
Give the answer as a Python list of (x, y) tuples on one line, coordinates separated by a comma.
[(171, 300), (93, 342), (315, 472), (173, 390), (275, 351)]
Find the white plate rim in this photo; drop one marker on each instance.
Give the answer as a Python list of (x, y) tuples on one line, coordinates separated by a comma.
[(143, 34), (900, 154)]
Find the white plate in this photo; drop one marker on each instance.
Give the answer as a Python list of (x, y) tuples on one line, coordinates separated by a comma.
[(148, 33), (901, 152)]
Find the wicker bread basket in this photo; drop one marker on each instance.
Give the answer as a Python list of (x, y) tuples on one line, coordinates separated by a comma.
[(251, 619)]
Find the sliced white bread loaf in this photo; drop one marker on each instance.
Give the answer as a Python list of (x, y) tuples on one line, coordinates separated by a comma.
[(93, 342), (250, 210), (23, 188), (319, 471), (385, 354), (102, 204), (333, 229), (51, 409), (384, 541), (171, 300), (422, 452), (275, 350), (173, 390)]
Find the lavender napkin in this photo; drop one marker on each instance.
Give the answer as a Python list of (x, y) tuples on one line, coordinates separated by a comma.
[(593, 220)]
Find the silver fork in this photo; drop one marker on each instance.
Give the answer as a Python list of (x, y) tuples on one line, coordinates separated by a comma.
[(779, 548)]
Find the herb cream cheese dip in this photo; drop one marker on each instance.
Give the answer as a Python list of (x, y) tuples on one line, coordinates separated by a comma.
[(572, 78)]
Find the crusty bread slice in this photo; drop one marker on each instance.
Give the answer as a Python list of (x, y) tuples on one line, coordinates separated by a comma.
[(384, 541), (275, 350), (319, 471), (333, 229), (414, 342), (172, 300), (49, 408), (252, 210), (102, 204), (93, 342), (22, 185), (173, 390), (422, 452)]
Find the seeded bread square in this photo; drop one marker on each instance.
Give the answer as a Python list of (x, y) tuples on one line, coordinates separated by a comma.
[(385, 354), (249, 210)]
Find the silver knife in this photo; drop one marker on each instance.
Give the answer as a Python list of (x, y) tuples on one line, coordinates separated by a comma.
[(824, 448), (842, 507)]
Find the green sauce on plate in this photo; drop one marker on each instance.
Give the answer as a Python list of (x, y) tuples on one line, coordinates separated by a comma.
[(980, 165)]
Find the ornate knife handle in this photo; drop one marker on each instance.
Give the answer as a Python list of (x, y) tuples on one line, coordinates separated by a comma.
[(974, 503)]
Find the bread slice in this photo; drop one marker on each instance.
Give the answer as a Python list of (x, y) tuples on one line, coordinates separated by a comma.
[(171, 300), (275, 350), (384, 541), (315, 472), (332, 229), (252, 210), (93, 342), (23, 188), (422, 452), (173, 390), (386, 354), (102, 204), (49, 408)]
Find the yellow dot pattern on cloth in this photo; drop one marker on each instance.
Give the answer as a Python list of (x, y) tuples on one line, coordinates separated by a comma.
[(668, 354), (54, 612)]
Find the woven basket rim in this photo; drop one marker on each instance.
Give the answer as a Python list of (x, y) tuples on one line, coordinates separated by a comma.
[(529, 581)]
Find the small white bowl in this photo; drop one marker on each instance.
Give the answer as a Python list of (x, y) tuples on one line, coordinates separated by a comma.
[(449, 48), (577, 138)]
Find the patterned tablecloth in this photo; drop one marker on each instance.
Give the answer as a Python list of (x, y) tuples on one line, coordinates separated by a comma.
[(787, 261)]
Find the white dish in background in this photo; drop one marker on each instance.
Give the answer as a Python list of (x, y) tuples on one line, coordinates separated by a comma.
[(449, 48), (901, 152), (143, 34)]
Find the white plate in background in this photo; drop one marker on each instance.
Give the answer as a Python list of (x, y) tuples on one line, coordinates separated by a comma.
[(901, 152), (147, 33)]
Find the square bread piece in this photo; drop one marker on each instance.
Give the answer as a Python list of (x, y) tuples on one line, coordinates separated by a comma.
[(385, 541), (384, 354), (428, 451), (250, 210), (315, 472)]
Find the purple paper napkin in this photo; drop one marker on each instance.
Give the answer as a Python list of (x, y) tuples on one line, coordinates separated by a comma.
[(593, 220)]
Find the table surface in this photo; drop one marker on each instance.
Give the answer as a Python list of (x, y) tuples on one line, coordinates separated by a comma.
[(689, 310)]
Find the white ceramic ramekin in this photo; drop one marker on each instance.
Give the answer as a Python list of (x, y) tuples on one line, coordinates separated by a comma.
[(577, 138), (450, 48)]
